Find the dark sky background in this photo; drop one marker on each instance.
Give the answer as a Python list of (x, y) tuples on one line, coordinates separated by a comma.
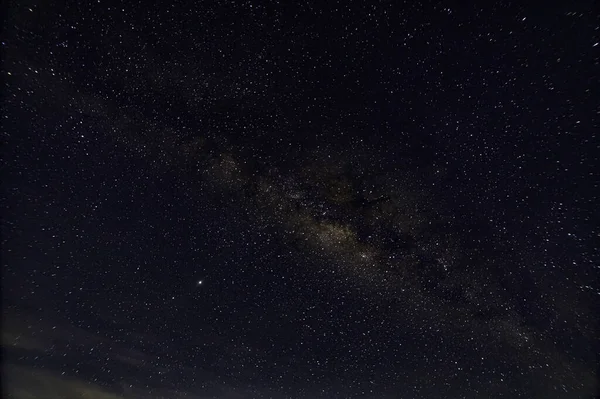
[(237, 200)]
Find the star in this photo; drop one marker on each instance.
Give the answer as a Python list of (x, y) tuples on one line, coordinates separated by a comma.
[(199, 282)]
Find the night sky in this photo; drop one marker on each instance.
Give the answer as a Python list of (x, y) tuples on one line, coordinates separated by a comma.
[(230, 200)]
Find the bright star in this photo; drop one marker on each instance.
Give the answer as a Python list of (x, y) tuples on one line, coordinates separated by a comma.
[(199, 282)]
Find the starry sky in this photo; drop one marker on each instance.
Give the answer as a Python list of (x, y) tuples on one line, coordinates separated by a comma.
[(229, 200)]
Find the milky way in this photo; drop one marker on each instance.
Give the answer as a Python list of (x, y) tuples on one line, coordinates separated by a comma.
[(310, 201)]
